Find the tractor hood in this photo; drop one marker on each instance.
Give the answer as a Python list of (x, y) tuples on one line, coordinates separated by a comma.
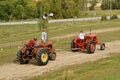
[(91, 35)]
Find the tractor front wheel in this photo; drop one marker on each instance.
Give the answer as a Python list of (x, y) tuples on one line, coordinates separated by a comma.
[(52, 56), (102, 46), (42, 57), (22, 58), (91, 47)]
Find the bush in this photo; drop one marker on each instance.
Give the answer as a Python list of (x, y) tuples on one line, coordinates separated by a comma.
[(103, 18), (104, 6), (114, 17)]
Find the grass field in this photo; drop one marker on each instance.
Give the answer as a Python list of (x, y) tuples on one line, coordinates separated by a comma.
[(104, 69), (25, 32), (8, 55)]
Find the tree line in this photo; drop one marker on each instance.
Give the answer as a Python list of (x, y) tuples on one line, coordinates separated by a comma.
[(16, 9), (30, 9)]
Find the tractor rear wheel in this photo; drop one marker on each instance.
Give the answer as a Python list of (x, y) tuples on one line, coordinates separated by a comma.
[(22, 58), (91, 47), (52, 56), (42, 57), (73, 46), (102, 46)]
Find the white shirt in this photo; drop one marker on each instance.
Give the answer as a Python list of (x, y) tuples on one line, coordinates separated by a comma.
[(82, 35), (44, 36)]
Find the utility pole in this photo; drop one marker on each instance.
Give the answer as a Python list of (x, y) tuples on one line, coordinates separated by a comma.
[(23, 28), (110, 8), (10, 36), (11, 30)]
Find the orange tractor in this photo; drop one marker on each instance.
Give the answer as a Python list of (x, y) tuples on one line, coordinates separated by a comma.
[(41, 53), (88, 44)]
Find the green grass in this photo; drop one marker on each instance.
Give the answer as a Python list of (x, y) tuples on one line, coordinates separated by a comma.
[(70, 27), (8, 55), (109, 36), (104, 69), (17, 32), (25, 32)]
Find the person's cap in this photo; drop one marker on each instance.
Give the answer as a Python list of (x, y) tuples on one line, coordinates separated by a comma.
[(35, 38), (81, 31)]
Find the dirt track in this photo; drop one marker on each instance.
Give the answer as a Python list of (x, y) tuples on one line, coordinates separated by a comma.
[(18, 72)]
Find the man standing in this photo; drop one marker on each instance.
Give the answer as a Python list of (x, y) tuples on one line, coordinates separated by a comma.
[(44, 36)]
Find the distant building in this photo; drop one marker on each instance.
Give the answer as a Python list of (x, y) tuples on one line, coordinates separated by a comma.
[(88, 4)]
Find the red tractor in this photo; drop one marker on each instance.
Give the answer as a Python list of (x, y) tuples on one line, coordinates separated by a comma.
[(41, 53), (88, 44)]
